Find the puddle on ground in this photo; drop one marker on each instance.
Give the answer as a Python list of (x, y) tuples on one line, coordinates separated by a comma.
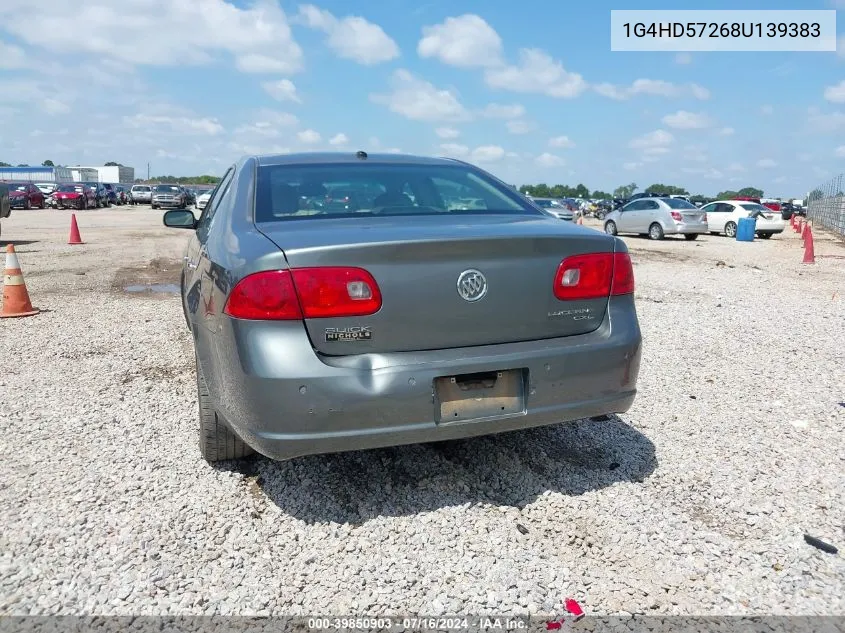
[(166, 288)]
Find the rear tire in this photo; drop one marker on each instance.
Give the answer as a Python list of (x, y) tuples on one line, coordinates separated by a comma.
[(217, 441), (689, 237), (655, 232), (610, 228), (764, 236), (730, 229)]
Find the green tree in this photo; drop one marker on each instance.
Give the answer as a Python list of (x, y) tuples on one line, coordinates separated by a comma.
[(22, 165), (112, 164), (667, 190), (48, 163), (727, 195), (625, 191), (601, 195), (815, 194), (751, 192), (581, 191), (699, 198), (2, 164)]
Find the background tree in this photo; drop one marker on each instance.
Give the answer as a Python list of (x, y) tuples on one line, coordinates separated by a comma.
[(22, 165), (815, 194), (2, 164), (47, 163), (112, 164), (667, 190), (751, 192), (601, 195), (699, 198), (625, 191), (727, 195)]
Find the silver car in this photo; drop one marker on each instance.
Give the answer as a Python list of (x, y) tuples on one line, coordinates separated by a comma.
[(141, 194), (657, 217), (323, 328), (556, 208)]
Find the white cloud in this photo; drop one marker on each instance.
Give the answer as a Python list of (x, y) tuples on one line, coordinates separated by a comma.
[(180, 124), (766, 163), (736, 167), (466, 41), (351, 37), (840, 151), (766, 109), (561, 141), (658, 138), (832, 122), (501, 111), (518, 126), (447, 132), (339, 139), (309, 137), (835, 93), (419, 100), (487, 154), (683, 120), (454, 150), (683, 59), (631, 166), (160, 33), (536, 73), (707, 172), (266, 124), (726, 131), (12, 57), (653, 87), (281, 90), (549, 160), (54, 106)]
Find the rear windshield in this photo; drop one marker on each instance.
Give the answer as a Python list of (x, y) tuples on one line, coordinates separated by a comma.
[(70, 188), (679, 203), (166, 189), (140, 188), (750, 206), (296, 192), (14, 186)]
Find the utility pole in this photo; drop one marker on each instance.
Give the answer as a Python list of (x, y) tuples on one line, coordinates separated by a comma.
[(148, 171)]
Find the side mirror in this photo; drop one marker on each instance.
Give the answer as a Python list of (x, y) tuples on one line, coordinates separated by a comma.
[(180, 219)]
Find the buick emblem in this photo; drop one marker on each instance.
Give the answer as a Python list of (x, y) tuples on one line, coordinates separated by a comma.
[(472, 285)]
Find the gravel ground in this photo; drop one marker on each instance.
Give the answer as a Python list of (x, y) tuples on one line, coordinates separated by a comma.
[(695, 502)]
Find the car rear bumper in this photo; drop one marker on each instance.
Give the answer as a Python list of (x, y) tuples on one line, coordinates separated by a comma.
[(286, 401), (167, 203), (680, 228), (769, 227)]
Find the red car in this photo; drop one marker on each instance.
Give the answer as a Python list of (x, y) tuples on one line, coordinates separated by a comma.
[(25, 195), (774, 205), (74, 196)]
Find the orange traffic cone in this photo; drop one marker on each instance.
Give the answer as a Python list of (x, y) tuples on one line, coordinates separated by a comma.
[(16, 301), (809, 253), (804, 228), (75, 238)]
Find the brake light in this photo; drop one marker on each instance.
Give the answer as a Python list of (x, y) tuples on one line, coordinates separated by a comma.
[(676, 215), (336, 292), (704, 217), (311, 293), (268, 295), (593, 276)]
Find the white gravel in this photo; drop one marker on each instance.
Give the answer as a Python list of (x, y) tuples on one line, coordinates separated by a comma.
[(695, 502)]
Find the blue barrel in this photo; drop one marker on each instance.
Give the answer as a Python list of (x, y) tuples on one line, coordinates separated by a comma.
[(745, 229)]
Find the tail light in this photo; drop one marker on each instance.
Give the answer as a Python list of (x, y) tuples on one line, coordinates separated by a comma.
[(704, 217), (593, 276), (676, 215), (304, 293)]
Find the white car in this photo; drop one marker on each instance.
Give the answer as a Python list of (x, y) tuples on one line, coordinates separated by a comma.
[(723, 217), (202, 200), (657, 217)]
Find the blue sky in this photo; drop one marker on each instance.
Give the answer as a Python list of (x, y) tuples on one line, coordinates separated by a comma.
[(529, 91)]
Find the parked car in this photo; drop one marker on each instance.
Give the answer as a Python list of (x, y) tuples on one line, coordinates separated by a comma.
[(141, 194), (111, 194), (100, 194), (168, 196), (75, 196), (202, 200), (25, 195), (291, 307), (190, 197), (555, 208), (723, 218), (47, 188), (5, 208), (657, 217), (122, 195)]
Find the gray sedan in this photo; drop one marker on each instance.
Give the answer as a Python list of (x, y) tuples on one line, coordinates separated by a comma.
[(398, 319), (657, 217)]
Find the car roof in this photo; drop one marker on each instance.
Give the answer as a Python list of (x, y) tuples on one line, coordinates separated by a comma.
[(316, 158)]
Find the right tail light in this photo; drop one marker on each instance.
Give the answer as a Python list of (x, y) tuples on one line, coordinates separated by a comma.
[(594, 275)]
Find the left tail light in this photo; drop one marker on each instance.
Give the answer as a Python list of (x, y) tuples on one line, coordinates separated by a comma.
[(309, 293), (593, 276), (676, 215)]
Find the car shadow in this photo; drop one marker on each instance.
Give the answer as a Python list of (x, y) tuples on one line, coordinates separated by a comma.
[(507, 469)]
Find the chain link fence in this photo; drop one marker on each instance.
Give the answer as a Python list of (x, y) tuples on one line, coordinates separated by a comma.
[(826, 205)]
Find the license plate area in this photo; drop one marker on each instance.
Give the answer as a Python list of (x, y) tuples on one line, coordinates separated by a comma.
[(479, 395)]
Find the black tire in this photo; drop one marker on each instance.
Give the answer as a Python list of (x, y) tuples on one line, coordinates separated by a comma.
[(28, 204), (689, 237), (217, 441), (730, 229), (610, 228), (655, 232), (764, 236)]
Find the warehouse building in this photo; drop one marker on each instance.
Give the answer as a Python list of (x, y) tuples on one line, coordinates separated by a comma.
[(37, 174), (113, 174)]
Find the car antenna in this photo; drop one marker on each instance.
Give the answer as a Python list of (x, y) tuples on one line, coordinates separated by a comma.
[(361, 154)]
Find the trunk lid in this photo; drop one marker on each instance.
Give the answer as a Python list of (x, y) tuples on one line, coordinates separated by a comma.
[(417, 263)]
